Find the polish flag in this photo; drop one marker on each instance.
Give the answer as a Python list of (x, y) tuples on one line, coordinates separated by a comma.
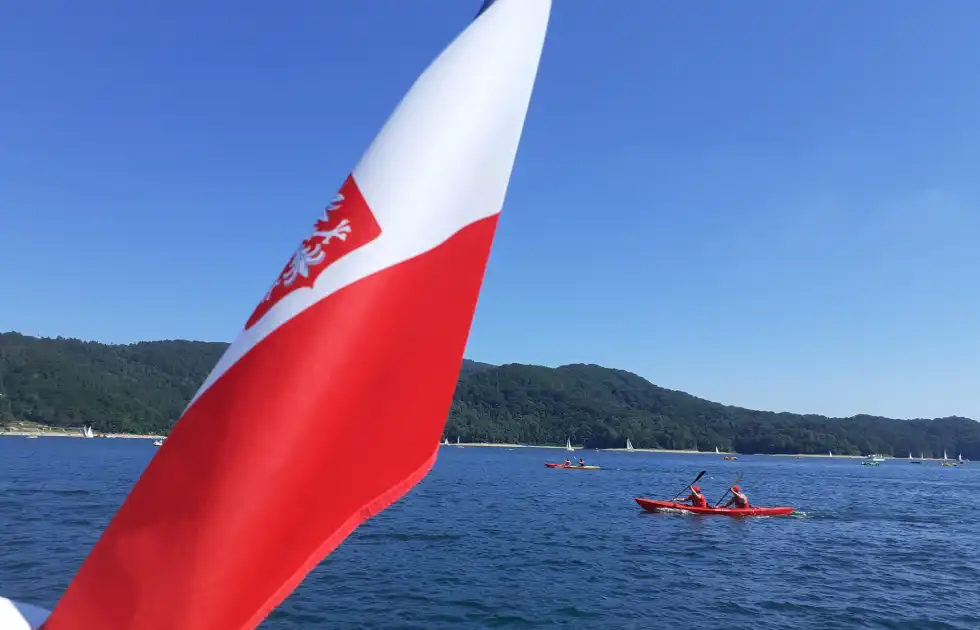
[(359, 341)]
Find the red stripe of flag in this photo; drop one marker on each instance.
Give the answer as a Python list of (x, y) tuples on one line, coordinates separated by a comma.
[(359, 341)]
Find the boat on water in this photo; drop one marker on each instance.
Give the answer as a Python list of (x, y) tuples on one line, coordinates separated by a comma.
[(87, 432), (629, 446), (730, 458), (572, 467), (913, 461), (157, 442), (568, 445), (874, 457), (651, 505)]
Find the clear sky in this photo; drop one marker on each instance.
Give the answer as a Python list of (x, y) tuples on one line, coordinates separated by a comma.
[(766, 203)]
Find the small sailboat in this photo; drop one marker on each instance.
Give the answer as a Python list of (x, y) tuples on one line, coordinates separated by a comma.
[(629, 446), (568, 445), (914, 461), (830, 453), (157, 442), (445, 441), (717, 452), (87, 432), (458, 445)]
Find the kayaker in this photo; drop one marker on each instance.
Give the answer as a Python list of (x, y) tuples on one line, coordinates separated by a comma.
[(739, 500), (568, 462), (581, 462), (696, 498)]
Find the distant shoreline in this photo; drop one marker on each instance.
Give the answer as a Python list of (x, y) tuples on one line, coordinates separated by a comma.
[(676, 452), (75, 434)]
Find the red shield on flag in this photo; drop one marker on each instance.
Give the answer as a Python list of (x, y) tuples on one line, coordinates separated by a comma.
[(345, 225)]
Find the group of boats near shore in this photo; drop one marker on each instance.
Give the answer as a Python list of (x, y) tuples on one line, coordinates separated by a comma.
[(875, 460), (86, 432)]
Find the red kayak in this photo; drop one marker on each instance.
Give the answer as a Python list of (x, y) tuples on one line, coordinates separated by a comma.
[(573, 466), (655, 506)]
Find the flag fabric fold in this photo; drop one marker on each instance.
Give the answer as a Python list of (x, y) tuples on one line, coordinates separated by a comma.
[(330, 404)]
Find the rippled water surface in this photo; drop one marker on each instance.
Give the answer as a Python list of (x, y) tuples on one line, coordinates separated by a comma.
[(492, 539)]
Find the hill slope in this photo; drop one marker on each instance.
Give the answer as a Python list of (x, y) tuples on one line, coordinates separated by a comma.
[(144, 387)]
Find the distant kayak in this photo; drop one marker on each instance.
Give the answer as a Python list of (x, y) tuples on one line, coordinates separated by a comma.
[(655, 506), (572, 467)]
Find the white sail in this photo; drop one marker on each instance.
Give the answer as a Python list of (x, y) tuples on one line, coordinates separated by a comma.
[(629, 445), (830, 453), (944, 455), (568, 445), (717, 451), (87, 432), (960, 457)]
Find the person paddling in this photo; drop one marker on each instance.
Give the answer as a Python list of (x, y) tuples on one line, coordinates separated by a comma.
[(739, 500), (696, 498), (568, 462), (581, 462)]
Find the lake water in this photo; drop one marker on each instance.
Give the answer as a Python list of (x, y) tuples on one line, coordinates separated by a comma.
[(493, 539)]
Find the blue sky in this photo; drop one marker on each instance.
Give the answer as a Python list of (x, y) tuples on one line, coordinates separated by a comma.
[(770, 204)]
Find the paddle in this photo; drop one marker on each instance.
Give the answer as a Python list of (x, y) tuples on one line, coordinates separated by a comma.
[(696, 479), (729, 490)]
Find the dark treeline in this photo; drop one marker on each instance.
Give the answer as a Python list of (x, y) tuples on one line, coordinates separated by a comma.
[(143, 388)]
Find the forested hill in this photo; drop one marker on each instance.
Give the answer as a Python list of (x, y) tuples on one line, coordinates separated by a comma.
[(143, 387)]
